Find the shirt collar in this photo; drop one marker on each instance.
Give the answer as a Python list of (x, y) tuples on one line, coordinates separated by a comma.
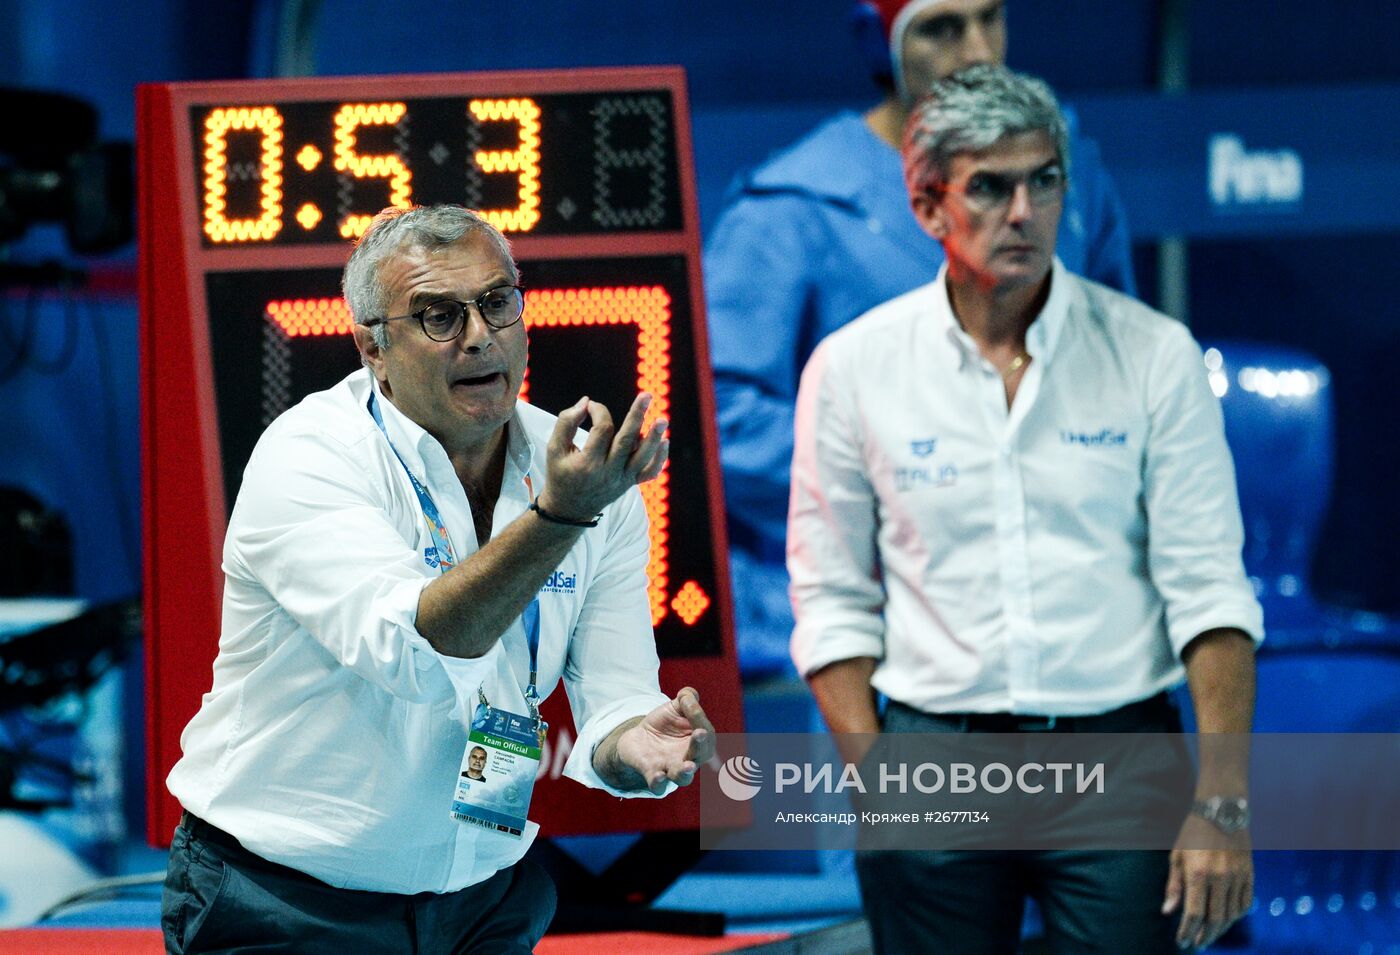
[(414, 444), (1041, 337), (1044, 333)]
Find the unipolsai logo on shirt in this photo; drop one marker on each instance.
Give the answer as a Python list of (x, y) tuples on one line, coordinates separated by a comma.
[(1103, 438), (560, 583)]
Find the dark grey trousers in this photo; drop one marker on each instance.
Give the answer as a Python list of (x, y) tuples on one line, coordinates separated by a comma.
[(219, 897), (972, 902)]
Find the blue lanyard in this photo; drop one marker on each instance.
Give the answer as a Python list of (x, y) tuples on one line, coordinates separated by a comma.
[(531, 620), (447, 559), (437, 530)]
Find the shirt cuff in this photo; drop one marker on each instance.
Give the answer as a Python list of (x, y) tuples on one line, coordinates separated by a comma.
[(811, 653), (407, 664), (579, 766), (466, 675), (400, 609), (1245, 615)]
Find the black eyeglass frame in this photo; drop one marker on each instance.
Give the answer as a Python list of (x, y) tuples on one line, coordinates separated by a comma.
[(1002, 195), (422, 313)]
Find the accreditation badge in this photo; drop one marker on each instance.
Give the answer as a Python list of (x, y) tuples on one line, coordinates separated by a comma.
[(498, 771)]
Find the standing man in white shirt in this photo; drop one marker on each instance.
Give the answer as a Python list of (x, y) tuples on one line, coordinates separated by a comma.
[(384, 617), (1013, 509), (821, 233)]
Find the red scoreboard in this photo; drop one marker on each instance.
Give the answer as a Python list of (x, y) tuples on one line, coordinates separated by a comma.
[(251, 194)]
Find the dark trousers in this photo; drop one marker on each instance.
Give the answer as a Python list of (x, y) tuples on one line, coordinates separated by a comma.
[(219, 897), (972, 902)]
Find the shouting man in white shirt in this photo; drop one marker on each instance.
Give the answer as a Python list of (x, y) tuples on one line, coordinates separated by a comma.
[(1013, 509), (359, 776)]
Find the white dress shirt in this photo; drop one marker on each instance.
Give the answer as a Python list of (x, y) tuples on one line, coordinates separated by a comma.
[(1052, 558), (333, 735)]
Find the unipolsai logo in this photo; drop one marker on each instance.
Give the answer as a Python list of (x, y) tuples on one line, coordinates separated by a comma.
[(740, 778), (560, 583)]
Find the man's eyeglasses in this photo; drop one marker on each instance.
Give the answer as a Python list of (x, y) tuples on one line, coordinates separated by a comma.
[(500, 307), (986, 191)]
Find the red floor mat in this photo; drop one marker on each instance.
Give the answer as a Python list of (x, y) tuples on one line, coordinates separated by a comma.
[(91, 941)]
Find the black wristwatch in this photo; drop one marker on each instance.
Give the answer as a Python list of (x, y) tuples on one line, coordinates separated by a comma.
[(1229, 814)]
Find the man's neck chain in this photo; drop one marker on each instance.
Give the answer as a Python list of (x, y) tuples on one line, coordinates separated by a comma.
[(1016, 365)]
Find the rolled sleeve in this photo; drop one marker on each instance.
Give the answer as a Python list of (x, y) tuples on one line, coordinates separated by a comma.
[(837, 596), (1195, 533), (610, 674), (316, 536)]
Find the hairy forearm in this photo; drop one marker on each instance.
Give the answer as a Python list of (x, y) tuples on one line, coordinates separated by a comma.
[(464, 612), (845, 696), (1220, 674)]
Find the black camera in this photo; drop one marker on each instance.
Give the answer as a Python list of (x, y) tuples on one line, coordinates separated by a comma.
[(53, 168)]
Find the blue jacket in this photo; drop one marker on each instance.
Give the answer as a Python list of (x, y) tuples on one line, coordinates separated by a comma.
[(811, 239)]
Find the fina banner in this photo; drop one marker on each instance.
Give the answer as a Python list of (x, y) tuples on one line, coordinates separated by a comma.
[(1239, 164), (1044, 790)]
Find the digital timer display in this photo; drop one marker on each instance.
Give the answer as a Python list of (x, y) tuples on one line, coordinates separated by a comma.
[(545, 165), (251, 195)]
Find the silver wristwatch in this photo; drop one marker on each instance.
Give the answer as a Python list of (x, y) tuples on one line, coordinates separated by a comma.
[(1227, 813)]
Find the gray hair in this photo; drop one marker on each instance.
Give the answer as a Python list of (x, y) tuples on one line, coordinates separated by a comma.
[(392, 231), (971, 111)]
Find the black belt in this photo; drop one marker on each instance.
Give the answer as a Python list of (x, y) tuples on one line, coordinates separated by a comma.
[(211, 834), (1110, 722)]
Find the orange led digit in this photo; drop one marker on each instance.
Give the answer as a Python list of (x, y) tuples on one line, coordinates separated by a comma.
[(524, 160), (217, 173), (649, 308), (390, 166)]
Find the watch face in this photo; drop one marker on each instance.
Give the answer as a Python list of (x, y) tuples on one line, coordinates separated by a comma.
[(1227, 815), (1232, 816)]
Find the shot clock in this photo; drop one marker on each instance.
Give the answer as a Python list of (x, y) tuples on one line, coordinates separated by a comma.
[(251, 195), (564, 164)]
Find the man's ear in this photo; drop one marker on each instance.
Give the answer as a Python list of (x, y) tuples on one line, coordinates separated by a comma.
[(932, 218), (370, 352)]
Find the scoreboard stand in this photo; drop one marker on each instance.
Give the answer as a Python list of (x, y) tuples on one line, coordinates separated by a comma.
[(250, 195)]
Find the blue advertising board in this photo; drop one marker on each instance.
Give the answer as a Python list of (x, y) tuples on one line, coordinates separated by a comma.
[(1252, 163)]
